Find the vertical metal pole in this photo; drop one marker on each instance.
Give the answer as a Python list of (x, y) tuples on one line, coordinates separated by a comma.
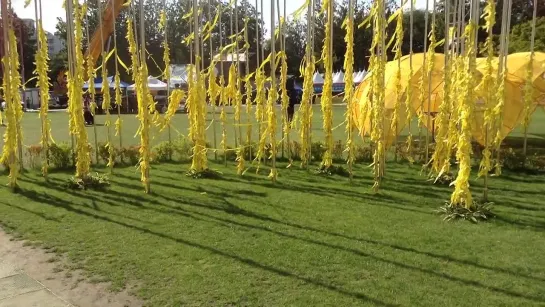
[(425, 63), (349, 100), (169, 129), (116, 71), (273, 74), (240, 140), (71, 57), (280, 34), (532, 41), (212, 68), (194, 9), (312, 96), (222, 71), (142, 63), (429, 91), (197, 38), (257, 55)]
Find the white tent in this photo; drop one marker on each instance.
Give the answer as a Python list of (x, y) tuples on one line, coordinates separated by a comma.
[(359, 77), (154, 84), (338, 77), (179, 74), (317, 79)]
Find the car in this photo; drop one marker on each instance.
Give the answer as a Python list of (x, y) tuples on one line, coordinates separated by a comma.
[(3, 105)]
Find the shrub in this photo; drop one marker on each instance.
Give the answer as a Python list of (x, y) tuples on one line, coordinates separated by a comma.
[(537, 162), (182, 148), (478, 212), (332, 170), (296, 150), (131, 153), (34, 154), (104, 154), (511, 159), (249, 151), (317, 151), (363, 153), (230, 154), (163, 151), (60, 155), (338, 151), (96, 182)]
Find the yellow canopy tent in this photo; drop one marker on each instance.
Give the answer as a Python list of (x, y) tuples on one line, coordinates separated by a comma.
[(362, 94), (515, 80), (514, 90)]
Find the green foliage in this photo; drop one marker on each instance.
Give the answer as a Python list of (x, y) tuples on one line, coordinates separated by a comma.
[(512, 159), (207, 174), (96, 182), (364, 153), (332, 170), (477, 212), (34, 156), (249, 151), (183, 149), (536, 162), (317, 150), (104, 154), (520, 37), (131, 153), (230, 154), (163, 151), (60, 155), (444, 179), (338, 151)]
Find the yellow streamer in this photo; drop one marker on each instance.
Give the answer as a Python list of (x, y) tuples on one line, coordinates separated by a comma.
[(42, 68), (461, 196), (75, 86)]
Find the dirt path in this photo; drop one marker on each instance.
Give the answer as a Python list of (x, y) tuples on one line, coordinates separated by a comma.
[(40, 275)]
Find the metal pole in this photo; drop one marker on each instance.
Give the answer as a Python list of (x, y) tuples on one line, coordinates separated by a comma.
[(212, 68), (429, 90), (71, 56), (273, 79), (532, 41), (117, 72)]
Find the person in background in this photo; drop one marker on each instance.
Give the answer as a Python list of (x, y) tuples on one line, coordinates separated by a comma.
[(28, 102), (87, 116), (293, 97)]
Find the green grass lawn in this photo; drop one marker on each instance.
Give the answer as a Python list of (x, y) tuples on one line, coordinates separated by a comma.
[(59, 127), (305, 241)]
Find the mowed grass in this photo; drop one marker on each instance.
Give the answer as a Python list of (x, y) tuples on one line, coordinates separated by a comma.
[(307, 240), (59, 127)]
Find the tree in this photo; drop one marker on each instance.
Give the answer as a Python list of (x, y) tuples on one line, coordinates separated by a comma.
[(295, 45), (178, 30), (520, 37), (26, 48)]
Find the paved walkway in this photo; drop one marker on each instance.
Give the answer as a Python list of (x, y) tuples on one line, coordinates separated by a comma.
[(17, 289)]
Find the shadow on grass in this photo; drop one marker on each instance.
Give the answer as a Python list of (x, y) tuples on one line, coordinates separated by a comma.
[(60, 203), (116, 198), (43, 216)]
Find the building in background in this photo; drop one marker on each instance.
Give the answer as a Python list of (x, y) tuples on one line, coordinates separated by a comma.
[(54, 44)]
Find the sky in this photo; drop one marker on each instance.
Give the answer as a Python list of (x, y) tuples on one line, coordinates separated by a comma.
[(53, 9)]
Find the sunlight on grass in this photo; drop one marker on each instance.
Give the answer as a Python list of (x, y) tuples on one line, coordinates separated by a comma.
[(308, 240)]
